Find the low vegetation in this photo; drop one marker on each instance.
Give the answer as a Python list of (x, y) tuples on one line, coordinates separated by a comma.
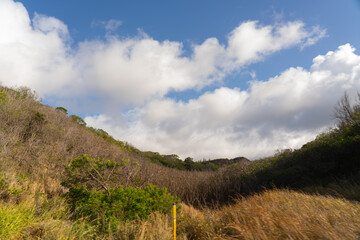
[(333, 157), (276, 215), (60, 179), (91, 197), (171, 160)]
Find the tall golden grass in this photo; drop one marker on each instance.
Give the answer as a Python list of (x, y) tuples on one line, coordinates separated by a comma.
[(275, 214)]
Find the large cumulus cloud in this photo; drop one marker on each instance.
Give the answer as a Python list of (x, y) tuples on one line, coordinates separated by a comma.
[(129, 79), (36, 52), (285, 111)]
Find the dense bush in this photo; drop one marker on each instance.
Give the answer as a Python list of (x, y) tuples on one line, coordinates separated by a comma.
[(78, 120), (93, 196), (91, 173), (173, 161), (62, 109), (121, 205)]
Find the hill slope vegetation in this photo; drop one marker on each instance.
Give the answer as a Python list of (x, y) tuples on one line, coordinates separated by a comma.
[(62, 180)]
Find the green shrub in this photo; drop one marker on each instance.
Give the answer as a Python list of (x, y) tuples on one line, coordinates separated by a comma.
[(2, 97), (103, 134), (93, 198), (104, 210), (78, 120), (121, 205), (62, 109), (98, 174)]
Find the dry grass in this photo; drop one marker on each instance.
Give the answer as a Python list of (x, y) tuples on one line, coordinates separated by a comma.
[(39, 141), (277, 214), (41, 219)]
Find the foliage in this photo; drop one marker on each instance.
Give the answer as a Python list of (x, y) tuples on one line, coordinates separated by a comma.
[(78, 120), (63, 110), (332, 155), (34, 125), (2, 97), (121, 205), (104, 135), (16, 190), (93, 196), (173, 161), (93, 173), (345, 113), (37, 142)]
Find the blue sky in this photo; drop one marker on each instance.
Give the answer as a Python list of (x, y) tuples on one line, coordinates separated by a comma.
[(203, 79), (193, 21)]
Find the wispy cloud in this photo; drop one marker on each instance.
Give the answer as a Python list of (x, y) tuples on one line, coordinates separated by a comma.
[(316, 34), (110, 25)]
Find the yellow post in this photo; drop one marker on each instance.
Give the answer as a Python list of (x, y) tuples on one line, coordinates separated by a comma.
[(174, 217)]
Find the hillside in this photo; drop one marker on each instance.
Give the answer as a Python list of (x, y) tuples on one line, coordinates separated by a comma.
[(223, 162), (39, 141), (62, 180), (331, 161), (173, 161)]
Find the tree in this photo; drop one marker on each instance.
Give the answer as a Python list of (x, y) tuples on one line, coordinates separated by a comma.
[(93, 173), (62, 109), (345, 112), (189, 163), (78, 120)]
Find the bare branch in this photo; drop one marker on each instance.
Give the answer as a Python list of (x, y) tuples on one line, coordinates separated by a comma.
[(345, 113)]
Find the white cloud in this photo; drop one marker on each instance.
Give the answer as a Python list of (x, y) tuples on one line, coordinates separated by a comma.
[(34, 55), (250, 42), (134, 70), (110, 25), (50, 25), (139, 71), (128, 71), (285, 111), (316, 34)]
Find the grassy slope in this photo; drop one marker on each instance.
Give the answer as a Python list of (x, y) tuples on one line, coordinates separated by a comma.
[(327, 164), (275, 214), (37, 142)]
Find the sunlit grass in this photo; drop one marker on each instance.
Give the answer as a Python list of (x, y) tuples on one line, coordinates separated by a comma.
[(278, 214), (15, 218), (37, 143)]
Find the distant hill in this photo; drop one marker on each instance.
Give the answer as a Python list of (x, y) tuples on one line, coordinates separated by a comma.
[(223, 162), (173, 161), (329, 164)]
